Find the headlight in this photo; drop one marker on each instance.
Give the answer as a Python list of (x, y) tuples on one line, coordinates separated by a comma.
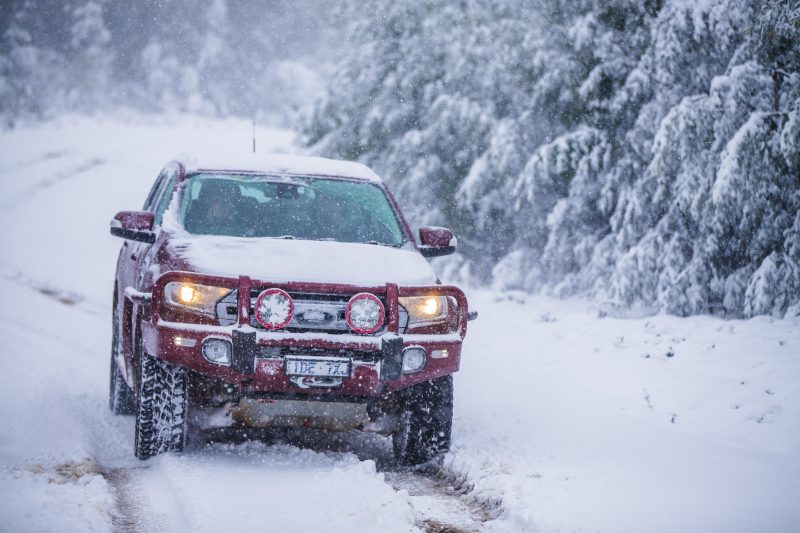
[(201, 298), (274, 309), (364, 313), (424, 309)]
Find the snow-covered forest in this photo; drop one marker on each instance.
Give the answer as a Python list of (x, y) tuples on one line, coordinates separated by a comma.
[(257, 59), (641, 152)]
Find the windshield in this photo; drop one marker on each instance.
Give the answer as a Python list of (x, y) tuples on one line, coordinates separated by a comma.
[(288, 207)]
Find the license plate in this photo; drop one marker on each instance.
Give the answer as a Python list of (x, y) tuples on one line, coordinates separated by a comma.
[(318, 366)]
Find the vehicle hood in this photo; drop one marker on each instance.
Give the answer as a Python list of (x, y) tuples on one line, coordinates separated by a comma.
[(287, 260)]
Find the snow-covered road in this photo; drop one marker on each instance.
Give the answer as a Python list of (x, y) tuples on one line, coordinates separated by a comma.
[(564, 421)]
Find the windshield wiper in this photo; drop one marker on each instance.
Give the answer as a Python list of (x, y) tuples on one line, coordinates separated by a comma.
[(383, 244), (286, 237)]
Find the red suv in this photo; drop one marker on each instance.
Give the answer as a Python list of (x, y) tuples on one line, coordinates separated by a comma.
[(282, 291)]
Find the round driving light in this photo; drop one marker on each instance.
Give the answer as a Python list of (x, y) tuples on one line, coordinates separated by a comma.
[(274, 308), (217, 351), (364, 313), (413, 359)]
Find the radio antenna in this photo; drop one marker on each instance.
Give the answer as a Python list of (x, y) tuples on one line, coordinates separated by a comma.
[(254, 136)]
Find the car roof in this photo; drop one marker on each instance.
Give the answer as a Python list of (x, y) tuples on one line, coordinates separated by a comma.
[(277, 163)]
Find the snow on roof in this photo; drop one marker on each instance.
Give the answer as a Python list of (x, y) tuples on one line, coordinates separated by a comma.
[(278, 163)]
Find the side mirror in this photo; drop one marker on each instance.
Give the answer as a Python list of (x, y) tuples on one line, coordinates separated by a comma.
[(134, 226), (436, 242)]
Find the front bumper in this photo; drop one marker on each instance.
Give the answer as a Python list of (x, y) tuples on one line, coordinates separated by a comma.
[(258, 364)]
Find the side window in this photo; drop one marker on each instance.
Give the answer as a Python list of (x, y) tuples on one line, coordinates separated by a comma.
[(166, 194), (151, 198)]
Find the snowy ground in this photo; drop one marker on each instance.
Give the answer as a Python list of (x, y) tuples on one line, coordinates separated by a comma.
[(564, 421)]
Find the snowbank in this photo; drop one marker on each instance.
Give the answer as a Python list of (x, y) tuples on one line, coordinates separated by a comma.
[(651, 424)]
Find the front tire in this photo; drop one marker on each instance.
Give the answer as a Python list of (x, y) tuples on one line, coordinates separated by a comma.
[(162, 408), (426, 422)]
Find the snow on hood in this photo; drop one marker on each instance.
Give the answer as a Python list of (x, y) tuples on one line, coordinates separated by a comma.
[(286, 260)]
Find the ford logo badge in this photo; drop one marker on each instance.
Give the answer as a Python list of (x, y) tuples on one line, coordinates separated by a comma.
[(314, 316)]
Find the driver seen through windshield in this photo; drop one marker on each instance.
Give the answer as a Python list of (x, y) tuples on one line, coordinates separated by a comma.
[(298, 207)]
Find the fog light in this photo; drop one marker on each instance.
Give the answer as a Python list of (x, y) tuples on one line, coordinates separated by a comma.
[(413, 359), (217, 351)]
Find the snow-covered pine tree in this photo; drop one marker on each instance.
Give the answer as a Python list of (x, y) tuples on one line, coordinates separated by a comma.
[(89, 60), (257, 59), (26, 70), (642, 152)]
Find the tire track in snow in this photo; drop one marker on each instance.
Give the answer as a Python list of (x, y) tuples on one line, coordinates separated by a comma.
[(145, 500), (126, 519), (14, 200), (444, 501), (32, 162)]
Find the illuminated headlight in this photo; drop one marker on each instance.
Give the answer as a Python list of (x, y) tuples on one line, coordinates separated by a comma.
[(413, 359), (364, 313), (217, 351), (195, 297), (274, 309), (424, 309)]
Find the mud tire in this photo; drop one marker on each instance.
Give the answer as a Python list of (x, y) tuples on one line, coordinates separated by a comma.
[(426, 422), (161, 414)]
